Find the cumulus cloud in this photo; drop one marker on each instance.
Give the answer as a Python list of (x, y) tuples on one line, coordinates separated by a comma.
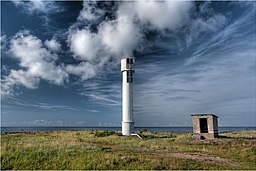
[(84, 44), (90, 12), (124, 34), (23, 78), (161, 14), (114, 38), (119, 37), (36, 63), (85, 69), (53, 45), (111, 38), (19, 77)]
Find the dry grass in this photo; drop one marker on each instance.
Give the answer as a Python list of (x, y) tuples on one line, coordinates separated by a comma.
[(84, 150)]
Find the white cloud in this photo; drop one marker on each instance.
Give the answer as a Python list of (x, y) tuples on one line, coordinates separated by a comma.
[(42, 122), (53, 45), (40, 105), (84, 44), (223, 87), (104, 92), (23, 78), (47, 123), (18, 77), (230, 37), (115, 39), (36, 63), (94, 111), (90, 12), (85, 70), (29, 49), (162, 14), (200, 26), (219, 77), (119, 37), (101, 98), (37, 6)]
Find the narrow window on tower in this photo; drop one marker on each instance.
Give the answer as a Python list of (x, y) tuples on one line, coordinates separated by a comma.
[(129, 73), (129, 77), (128, 61)]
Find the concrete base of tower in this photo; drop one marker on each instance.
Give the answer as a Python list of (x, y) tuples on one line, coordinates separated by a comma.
[(127, 128)]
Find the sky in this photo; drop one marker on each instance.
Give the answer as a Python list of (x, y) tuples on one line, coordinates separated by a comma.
[(60, 62)]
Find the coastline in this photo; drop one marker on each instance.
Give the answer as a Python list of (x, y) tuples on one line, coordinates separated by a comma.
[(16, 129)]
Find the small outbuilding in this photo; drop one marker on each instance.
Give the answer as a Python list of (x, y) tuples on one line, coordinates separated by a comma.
[(205, 126)]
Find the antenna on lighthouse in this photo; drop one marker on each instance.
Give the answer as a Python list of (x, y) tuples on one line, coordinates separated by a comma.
[(127, 69)]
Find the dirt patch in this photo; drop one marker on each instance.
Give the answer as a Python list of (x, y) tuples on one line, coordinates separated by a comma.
[(193, 156), (172, 153), (205, 158)]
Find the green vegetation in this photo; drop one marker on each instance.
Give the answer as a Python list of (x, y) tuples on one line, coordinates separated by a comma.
[(103, 133), (109, 150)]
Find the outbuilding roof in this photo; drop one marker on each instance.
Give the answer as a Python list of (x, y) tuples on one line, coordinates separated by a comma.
[(204, 114)]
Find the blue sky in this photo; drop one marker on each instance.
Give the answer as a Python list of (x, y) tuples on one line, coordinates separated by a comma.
[(60, 62)]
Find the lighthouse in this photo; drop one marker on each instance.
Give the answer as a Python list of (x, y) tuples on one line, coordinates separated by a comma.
[(127, 69)]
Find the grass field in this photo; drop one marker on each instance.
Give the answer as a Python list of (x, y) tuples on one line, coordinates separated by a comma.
[(108, 150)]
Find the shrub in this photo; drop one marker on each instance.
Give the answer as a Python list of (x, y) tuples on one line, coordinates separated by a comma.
[(143, 130), (118, 133), (103, 133)]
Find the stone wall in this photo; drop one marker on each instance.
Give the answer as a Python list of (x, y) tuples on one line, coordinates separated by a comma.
[(212, 124)]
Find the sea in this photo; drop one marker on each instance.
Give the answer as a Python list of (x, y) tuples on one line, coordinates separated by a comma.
[(15, 129)]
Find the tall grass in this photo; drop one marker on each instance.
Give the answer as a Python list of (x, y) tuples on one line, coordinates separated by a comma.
[(108, 150)]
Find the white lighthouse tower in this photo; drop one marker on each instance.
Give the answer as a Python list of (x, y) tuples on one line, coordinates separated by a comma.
[(127, 70)]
